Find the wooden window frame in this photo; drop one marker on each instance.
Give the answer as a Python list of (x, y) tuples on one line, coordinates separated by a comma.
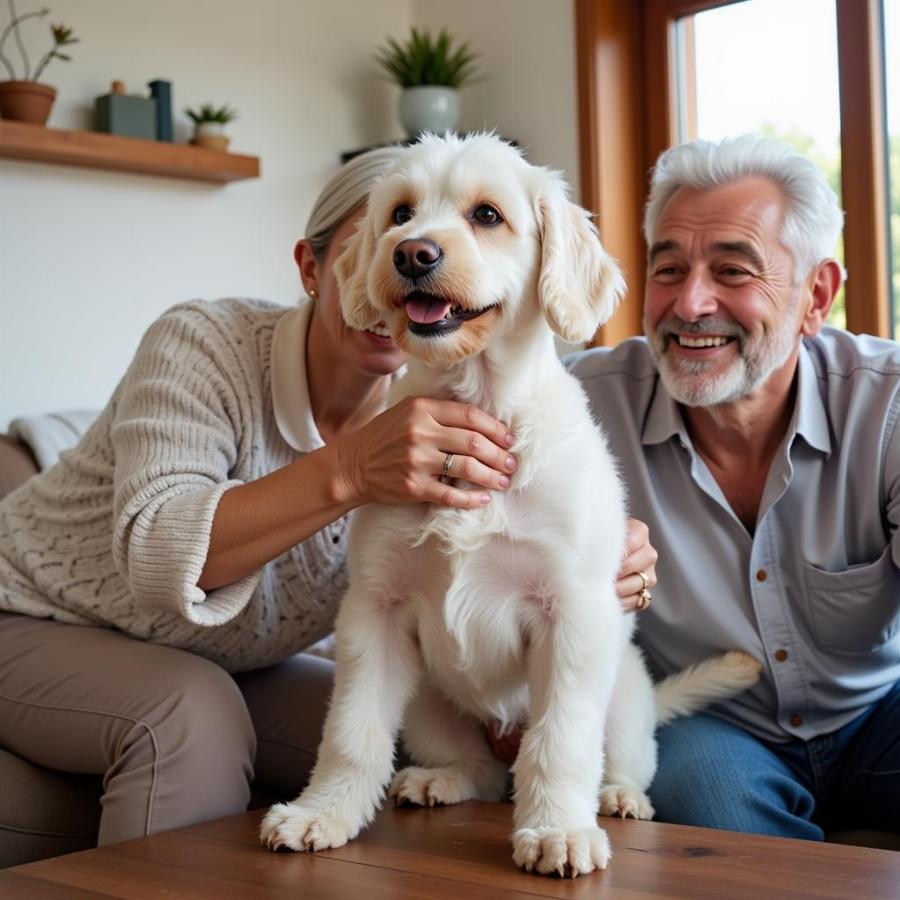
[(611, 143), (628, 116)]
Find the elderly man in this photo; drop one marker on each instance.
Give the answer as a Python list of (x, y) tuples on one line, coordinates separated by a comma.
[(760, 446)]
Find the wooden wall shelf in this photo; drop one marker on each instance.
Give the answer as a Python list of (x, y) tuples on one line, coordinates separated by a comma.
[(96, 150)]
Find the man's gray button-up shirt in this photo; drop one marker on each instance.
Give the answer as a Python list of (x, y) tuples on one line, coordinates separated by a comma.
[(814, 592)]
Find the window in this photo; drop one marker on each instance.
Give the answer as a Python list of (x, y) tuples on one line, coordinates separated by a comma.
[(892, 98), (722, 89)]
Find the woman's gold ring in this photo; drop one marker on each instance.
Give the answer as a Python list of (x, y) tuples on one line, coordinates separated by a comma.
[(444, 477)]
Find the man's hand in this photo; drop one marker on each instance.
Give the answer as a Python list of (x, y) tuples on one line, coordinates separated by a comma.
[(640, 556)]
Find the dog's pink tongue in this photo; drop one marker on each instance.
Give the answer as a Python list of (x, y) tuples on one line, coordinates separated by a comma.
[(426, 309)]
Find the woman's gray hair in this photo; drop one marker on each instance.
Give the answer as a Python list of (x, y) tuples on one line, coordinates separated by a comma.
[(346, 191), (813, 218)]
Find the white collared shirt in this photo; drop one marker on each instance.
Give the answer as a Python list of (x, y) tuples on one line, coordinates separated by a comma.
[(290, 388)]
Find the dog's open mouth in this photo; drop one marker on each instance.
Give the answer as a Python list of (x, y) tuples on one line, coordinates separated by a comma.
[(432, 316)]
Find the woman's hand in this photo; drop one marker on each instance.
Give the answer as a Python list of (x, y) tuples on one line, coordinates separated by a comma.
[(640, 556), (400, 455)]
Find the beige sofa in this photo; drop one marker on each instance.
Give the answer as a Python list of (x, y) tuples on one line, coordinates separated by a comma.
[(45, 813)]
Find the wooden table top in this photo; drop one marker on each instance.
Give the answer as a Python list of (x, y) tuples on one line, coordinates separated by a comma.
[(453, 852)]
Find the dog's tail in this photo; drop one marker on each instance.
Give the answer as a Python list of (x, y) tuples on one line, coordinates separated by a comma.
[(716, 678)]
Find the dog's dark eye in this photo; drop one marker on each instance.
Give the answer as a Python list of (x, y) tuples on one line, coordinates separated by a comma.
[(486, 215), (401, 215)]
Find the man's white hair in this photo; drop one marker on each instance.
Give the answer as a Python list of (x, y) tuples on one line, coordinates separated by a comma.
[(813, 218)]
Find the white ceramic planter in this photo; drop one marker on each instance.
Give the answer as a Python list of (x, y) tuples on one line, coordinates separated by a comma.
[(209, 129), (429, 108)]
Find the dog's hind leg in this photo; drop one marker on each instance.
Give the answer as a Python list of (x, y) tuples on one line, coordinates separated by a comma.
[(630, 741), (378, 665), (455, 762)]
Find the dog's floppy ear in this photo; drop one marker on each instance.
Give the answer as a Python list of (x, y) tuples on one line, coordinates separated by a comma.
[(351, 271), (580, 284)]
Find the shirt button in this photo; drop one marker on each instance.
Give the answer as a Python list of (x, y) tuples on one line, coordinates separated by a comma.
[(762, 575), (796, 721), (781, 655)]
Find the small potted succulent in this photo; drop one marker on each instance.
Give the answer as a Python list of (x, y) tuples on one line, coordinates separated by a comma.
[(26, 99), (430, 70), (209, 125)]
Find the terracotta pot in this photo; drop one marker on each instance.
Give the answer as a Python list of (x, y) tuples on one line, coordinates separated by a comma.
[(216, 142), (26, 101)]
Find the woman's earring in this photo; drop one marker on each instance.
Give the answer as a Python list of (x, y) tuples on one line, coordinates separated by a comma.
[(313, 293)]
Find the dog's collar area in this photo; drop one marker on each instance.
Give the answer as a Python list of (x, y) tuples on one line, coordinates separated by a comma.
[(432, 316)]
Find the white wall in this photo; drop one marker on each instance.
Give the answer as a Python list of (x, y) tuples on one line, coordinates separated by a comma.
[(89, 258), (527, 87)]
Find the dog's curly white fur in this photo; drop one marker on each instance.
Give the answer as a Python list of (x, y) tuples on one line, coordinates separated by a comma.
[(507, 613)]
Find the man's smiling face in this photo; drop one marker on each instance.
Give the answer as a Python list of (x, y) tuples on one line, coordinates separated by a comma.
[(721, 307)]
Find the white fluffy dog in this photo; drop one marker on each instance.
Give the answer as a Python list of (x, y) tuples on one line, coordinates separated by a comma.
[(454, 618)]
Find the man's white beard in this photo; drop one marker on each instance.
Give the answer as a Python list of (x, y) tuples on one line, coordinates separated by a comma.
[(758, 358)]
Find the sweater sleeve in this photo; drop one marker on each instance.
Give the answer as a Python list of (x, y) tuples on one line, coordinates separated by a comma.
[(176, 438)]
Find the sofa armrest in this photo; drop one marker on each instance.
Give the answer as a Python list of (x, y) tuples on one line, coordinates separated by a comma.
[(17, 464)]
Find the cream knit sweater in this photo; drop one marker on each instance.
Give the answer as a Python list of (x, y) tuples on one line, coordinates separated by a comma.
[(116, 533)]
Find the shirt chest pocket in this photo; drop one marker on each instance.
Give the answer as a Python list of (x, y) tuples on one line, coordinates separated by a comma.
[(856, 610)]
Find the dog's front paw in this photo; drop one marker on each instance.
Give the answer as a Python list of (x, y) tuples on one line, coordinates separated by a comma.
[(627, 802), (287, 826), (567, 853), (431, 787)]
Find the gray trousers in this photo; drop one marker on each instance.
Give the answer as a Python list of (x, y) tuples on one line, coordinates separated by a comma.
[(176, 738)]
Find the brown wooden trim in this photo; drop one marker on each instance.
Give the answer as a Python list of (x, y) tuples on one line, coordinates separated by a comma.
[(613, 178), (660, 114), (863, 183)]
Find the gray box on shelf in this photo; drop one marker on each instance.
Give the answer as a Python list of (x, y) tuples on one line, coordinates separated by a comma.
[(122, 114)]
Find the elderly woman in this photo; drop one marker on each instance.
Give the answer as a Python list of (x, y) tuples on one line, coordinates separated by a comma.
[(158, 584)]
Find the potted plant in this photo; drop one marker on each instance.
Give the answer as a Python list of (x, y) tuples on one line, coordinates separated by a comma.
[(430, 71), (26, 99), (209, 125)]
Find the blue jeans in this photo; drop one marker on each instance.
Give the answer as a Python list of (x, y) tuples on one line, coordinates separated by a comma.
[(714, 774)]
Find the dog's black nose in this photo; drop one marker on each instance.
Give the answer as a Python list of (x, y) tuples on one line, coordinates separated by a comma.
[(416, 258)]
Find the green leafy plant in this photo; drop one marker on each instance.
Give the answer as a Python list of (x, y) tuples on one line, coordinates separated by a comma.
[(61, 35), (423, 60), (208, 112)]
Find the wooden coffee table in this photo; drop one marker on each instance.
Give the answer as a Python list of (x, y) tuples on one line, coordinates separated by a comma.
[(457, 852)]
